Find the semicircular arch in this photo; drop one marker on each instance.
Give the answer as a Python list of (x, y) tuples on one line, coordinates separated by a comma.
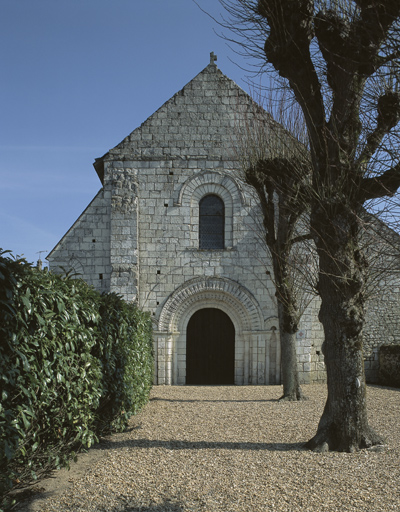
[(210, 178), (229, 296)]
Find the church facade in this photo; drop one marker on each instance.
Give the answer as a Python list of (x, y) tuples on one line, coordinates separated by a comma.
[(174, 229)]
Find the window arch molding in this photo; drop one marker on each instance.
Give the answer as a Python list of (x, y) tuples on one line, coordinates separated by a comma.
[(222, 178), (219, 183)]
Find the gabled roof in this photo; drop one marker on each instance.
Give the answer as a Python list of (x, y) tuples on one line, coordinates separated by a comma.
[(198, 121)]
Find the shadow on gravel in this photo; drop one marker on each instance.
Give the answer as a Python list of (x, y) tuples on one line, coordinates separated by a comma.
[(172, 400), (382, 386), (198, 445), (167, 506)]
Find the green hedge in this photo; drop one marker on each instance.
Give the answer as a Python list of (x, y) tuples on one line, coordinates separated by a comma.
[(126, 357), (73, 365)]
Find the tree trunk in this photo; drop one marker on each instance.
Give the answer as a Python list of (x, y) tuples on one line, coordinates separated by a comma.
[(344, 424), (290, 374), (288, 312)]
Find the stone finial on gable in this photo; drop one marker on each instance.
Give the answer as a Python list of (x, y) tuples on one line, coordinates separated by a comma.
[(213, 58)]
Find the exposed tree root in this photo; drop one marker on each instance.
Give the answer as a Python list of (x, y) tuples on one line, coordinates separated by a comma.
[(292, 398), (331, 439), (294, 395)]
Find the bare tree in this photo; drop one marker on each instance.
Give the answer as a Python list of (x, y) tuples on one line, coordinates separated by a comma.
[(276, 164), (340, 59)]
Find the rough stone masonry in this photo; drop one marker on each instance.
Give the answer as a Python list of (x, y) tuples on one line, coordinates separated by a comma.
[(139, 237)]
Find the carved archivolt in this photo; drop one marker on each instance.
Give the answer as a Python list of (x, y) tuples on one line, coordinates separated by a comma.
[(203, 292), (203, 178), (221, 184)]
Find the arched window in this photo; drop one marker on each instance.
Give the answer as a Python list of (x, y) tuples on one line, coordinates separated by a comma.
[(211, 222)]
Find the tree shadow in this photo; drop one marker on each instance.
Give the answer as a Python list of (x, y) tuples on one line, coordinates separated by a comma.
[(384, 386), (25, 501), (175, 444), (172, 400), (166, 506)]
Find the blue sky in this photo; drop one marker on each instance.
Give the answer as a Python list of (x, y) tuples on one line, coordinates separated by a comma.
[(77, 76)]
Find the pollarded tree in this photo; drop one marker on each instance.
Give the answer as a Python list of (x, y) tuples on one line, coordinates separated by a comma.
[(341, 60), (275, 163), (280, 196)]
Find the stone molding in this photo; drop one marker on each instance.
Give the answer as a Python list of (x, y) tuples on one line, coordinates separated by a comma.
[(272, 323), (203, 292), (221, 178), (210, 182)]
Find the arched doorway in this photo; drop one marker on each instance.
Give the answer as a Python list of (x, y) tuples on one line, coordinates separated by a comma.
[(210, 348)]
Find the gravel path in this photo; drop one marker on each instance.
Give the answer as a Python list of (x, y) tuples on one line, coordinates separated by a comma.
[(234, 449)]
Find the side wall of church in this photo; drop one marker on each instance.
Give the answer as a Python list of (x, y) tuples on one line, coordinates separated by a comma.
[(85, 248)]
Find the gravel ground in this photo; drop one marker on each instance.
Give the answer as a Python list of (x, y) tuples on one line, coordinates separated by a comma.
[(233, 449)]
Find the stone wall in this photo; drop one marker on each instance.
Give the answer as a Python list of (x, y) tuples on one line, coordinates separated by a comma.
[(153, 182), (389, 365), (85, 249), (168, 233), (310, 337), (197, 123), (139, 238), (121, 185), (382, 325)]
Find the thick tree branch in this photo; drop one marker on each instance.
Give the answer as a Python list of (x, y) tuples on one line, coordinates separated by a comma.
[(352, 51), (385, 185), (332, 33), (370, 30), (353, 46), (375, 14), (301, 238), (288, 49)]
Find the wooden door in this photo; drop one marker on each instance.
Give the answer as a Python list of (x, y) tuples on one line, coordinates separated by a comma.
[(210, 348)]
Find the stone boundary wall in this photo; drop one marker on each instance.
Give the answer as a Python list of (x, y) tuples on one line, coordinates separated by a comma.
[(389, 365), (382, 326)]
